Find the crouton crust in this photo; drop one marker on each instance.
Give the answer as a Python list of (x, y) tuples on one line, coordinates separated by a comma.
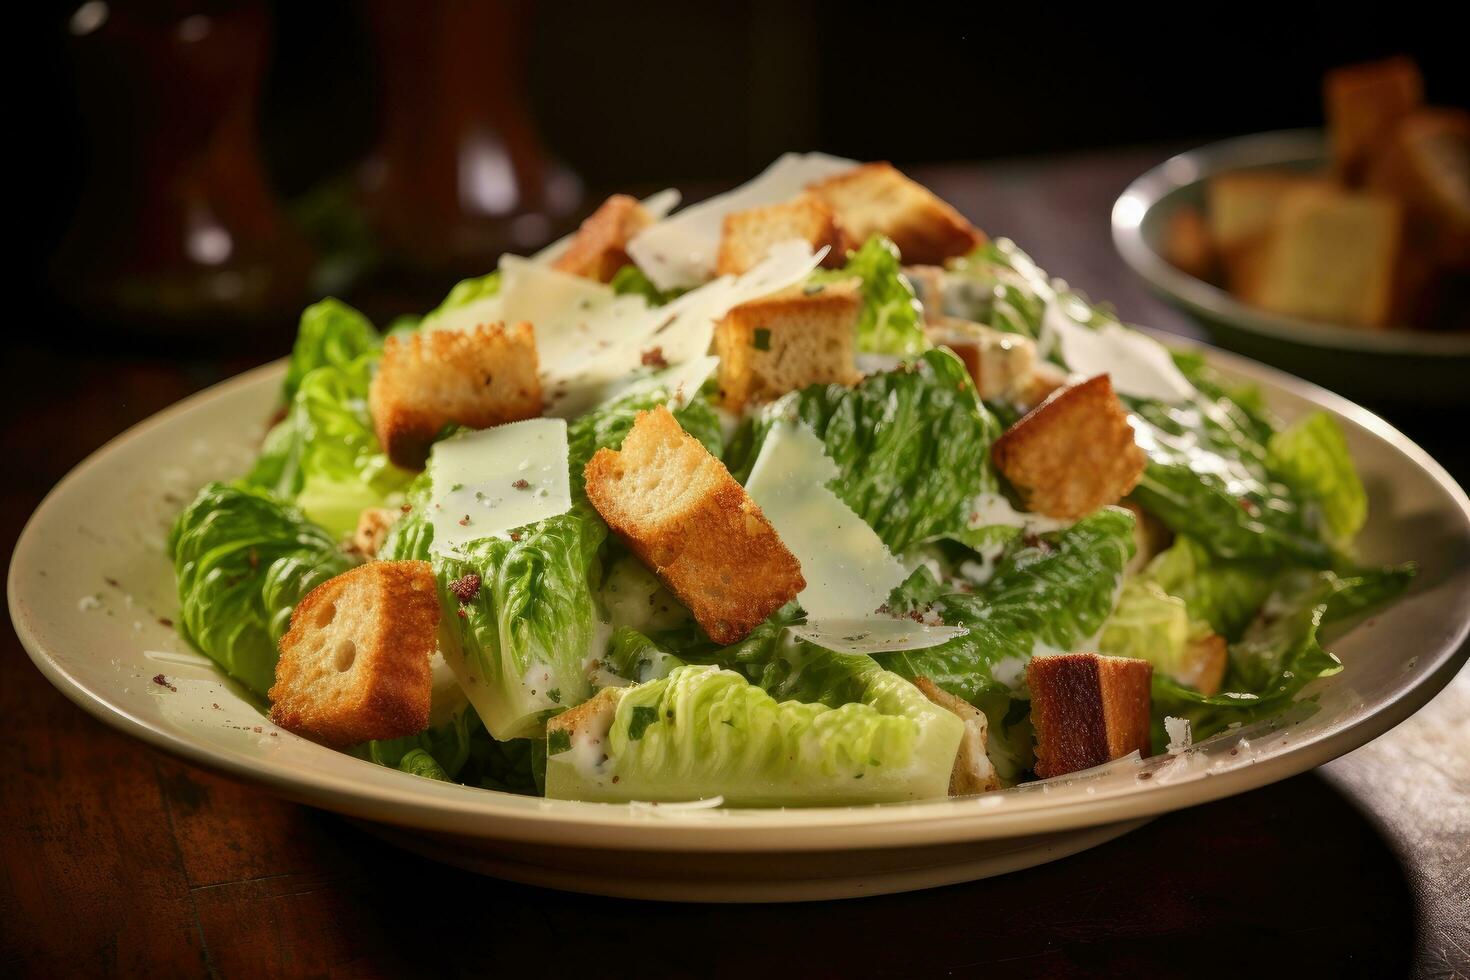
[(1363, 102), (678, 509), (877, 199), (1088, 710), (600, 247), (748, 235), (1073, 453), (1002, 365), (354, 664), (793, 338), (1205, 663), (478, 378), (973, 772)]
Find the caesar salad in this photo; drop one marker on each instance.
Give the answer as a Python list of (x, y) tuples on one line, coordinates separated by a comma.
[(807, 494)]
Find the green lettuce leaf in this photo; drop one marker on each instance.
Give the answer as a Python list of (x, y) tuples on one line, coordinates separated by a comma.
[(1221, 592), (912, 445), (523, 645), (1050, 593), (331, 333), (999, 286), (703, 732), (636, 658), (324, 455), (891, 321), (1311, 456), (1280, 652), (242, 560), (631, 279)]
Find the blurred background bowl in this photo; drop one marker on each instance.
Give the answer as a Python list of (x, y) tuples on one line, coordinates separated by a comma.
[(1394, 365)]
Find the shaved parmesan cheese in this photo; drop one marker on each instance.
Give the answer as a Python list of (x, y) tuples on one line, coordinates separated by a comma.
[(993, 509), (487, 483), (588, 352), (875, 634), (849, 572), (680, 251), (1137, 365)]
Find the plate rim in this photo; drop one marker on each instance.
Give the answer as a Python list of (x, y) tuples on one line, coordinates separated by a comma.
[(479, 813), (1210, 302)]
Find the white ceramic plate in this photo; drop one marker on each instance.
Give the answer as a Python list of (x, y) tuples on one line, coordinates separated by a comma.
[(90, 589)]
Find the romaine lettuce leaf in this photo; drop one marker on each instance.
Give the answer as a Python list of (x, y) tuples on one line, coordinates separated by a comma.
[(1225, 593), (331, 333), (631, 279), (324, 455), (1280, 652), (242, 560), (913, 446), (1050, 593), (636, 658), (468, 291), (891, 321), (522, 646), (703, 732), (1311, 456)]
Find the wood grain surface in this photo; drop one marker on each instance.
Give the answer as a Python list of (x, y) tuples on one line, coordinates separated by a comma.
[(115, 860)]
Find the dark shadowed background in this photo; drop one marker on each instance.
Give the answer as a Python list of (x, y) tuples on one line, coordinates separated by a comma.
[(640, 95)]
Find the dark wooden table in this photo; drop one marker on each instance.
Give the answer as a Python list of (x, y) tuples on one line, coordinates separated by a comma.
[(119, 860)]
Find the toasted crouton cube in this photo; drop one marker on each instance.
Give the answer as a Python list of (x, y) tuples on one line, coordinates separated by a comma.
[(876, 199), (749, 235), (1330, 256), (1073, 453), (1088, 710), (1187, 243), (800, 336), (600, 247), (1242, 210), (1204, 664), (973, 772), (1150, 536), (1363, 102), (1046, 379), (354, 665), (678, 509), (479, 378), (372, 528), (1001, 364), (1425, 165)]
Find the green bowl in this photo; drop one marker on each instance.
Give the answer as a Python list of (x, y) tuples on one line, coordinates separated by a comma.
[(1380, 365)]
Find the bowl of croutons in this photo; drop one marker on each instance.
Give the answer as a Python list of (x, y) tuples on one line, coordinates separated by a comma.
[(1341, 255)]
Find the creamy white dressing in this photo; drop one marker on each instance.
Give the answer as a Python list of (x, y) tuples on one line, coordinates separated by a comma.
[(1137, 365), (489, 482), (875, 634), (681, 250), (991, 509)]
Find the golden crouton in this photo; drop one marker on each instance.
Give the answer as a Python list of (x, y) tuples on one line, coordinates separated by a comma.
[(1363, 103), (749, 235), (591, 719), (479, 378), (1330, 256), (1204, 664), (1242, 211), (800, 336), (1002, 364), (973, 772), (1088, 710), (876, 199), (599, 249), (355, 663), (679, 510), (1073, 453), (1187, 243), (1150, 536), (1046, 379), (372, 527), (1425, 164)]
